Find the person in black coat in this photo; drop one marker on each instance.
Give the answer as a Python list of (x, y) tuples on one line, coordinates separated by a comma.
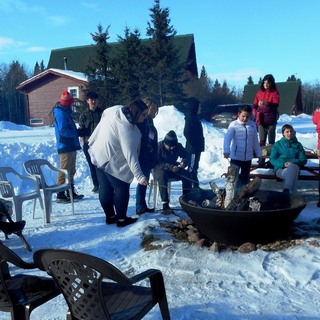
[(193, 132), (169, 152), (148, 152)]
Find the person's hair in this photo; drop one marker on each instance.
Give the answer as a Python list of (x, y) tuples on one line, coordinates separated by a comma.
[(286, 126), (92, 95), (245, 108), (151, 103), (271, 80), (136, 107)]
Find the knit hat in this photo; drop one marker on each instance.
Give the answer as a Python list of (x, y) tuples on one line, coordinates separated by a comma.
[(171, 139), (66, 98), (92, 95)]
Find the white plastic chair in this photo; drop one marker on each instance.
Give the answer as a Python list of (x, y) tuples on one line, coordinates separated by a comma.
[(36, 168), (8, 179), (154, 189)]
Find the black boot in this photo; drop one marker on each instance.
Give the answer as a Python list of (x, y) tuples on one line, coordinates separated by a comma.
[(62, 197), (74, 194)]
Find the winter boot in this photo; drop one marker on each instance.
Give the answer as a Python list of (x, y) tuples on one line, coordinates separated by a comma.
[(74, 194), (166, 209), (62, 197)]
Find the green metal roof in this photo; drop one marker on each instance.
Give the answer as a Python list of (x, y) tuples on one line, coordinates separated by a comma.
[(79, 57), (290, 94)]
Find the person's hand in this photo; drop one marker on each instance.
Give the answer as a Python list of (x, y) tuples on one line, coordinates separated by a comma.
[(262, 103), (182, 165), (226, 155), (287, 164), (143, 182), (175, 169)]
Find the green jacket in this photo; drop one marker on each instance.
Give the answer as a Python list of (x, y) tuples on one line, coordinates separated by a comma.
[(285, 150), (88, 121)]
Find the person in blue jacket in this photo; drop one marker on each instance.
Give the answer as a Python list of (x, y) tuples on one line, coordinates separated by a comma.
[(67, 143), (287, 156)]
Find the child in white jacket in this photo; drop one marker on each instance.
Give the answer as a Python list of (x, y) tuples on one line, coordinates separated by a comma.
[(241, 145)]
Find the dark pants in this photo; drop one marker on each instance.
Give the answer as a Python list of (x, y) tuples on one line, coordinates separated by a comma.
[(193, 160), (141, 191), (113, 195), (163, 176), (243, 172), (267, 132), (92, 167)]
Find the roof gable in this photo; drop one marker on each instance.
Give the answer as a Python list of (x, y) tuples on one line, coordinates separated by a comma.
[(79, 57), (25, 85)]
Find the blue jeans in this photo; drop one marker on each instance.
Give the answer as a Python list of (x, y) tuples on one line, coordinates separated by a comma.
[(113, 195), (92, 167)]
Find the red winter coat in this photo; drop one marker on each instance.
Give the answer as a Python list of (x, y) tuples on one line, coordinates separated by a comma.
[(266, 115), (316, 121)]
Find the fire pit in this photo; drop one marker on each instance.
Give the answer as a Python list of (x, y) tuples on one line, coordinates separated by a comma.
[(272, 222)]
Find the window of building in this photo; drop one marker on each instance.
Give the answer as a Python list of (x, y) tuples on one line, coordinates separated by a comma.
[(74, 91), (36, 121)]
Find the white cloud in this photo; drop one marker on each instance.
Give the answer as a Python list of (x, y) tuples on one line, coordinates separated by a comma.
[(5, 42), (58, 20), (36, 49), (237, 77)]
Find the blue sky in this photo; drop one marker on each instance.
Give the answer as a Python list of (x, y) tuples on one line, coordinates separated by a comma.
[(234, 39)]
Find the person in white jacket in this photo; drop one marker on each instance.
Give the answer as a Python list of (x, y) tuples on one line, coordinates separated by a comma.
[(114, 149), (241, 145)]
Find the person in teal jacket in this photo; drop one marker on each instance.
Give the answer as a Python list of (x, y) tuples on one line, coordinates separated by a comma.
[(287, 156)]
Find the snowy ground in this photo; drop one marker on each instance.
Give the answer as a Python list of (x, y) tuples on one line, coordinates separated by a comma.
[(200, 284)]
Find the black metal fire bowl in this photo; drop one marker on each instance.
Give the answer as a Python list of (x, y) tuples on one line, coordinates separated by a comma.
[(272, 222)]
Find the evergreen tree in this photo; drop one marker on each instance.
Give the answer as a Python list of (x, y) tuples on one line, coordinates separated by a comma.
[(165, 70), (42, 67), (128, 67), (250, 81), (36, 69), (293, 78), (99, 69), (15, 105)]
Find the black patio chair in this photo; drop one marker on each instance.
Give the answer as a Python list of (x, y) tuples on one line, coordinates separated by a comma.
[(22, 293), (95, 289)]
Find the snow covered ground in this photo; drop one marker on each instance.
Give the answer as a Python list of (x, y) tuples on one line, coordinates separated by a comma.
[(200, 284)]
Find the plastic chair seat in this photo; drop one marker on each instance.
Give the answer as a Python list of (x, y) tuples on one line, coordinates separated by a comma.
[(8, 191), (95, 289), (22, 293), (35, 168)]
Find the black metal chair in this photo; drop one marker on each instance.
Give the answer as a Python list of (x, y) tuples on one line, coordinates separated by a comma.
[(22, 293), (95, 289)]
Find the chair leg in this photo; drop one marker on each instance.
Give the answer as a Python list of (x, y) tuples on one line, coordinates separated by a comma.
[(155, 194), (164, 309), (150, 191), (71, 199), (48, 208), (18, 211)]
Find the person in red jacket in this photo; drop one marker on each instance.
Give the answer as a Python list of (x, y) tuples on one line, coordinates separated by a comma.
[(265, 109), (316, 121)]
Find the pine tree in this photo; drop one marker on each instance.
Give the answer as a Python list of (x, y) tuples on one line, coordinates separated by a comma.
[(165, 70), (250, 81), (36, 69), (128, 67), (42, 67), (99, 69), (14, 100)]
